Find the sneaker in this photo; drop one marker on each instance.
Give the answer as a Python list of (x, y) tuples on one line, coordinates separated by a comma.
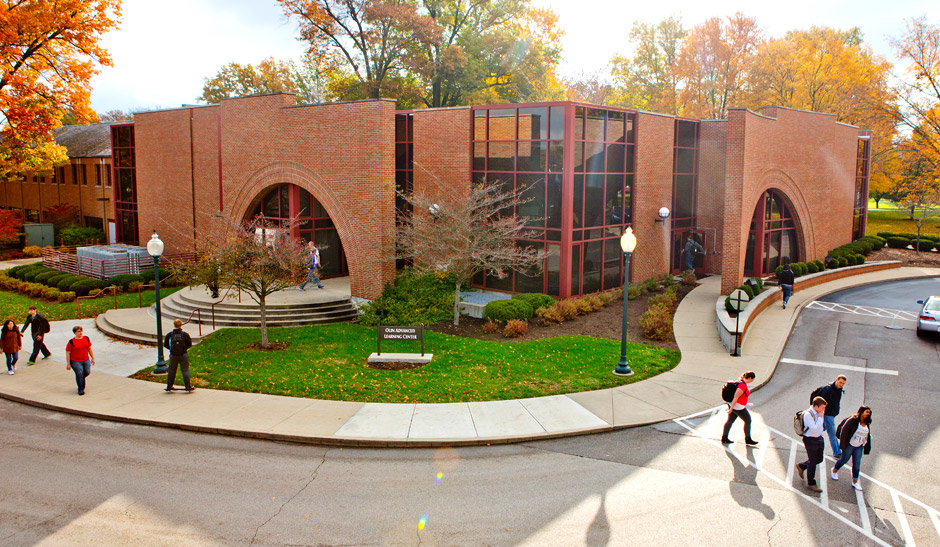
[(10, 372), (784, 305), (300, 288), (834, 475), (813, 488), (856, 486), (319, 286), (800, 470), (169, 389), (189, 389), (46, 357), (81, 392), (30, 363)]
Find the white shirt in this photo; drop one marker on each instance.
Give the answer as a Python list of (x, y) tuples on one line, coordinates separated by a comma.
[(812, 423), (860, 437)]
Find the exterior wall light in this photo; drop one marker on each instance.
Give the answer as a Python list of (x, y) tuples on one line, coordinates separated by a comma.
[(663, 214)]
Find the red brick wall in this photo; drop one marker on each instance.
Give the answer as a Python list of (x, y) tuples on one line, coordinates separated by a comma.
[(807, 157), (442, 155), (652, 190)]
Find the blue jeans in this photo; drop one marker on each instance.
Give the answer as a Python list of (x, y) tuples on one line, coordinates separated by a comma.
[(312, 275), (787, 290), (854, 452), (829, 426), (81, 369), (11, 359)]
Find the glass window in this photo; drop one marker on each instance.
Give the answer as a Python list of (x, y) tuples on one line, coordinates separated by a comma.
[(684, 196), (579, 157), (591, 266), (502, 124), (615, 153), (576, 269), (553, 269), (556, 156), (594, 201), (531, 193), (533, 123), (532, 155), (531, 280), (557, 128), (594, 125), (685, 133), (401, 127), (615, 126), (594, 156), (501, 156), (613, 208), (479, 125), (685, 160), (304, 205), (401, 156), (579, 123), (578, 201), (630, 159), (631, 128), (479, 156), (613, 259), (553, 202)]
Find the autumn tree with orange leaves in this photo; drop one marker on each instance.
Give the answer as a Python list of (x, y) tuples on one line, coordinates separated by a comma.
[(49, 51)]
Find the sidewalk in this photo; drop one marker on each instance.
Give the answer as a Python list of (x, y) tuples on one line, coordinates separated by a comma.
[(694, 385)]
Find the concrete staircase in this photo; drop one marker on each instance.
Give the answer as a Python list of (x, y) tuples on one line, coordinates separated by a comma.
[(288, 308)]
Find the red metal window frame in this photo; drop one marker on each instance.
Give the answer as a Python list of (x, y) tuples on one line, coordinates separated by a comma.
[(684, 224), (761, 230), (125, 210)]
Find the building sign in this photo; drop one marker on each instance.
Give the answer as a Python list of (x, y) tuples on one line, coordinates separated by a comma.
[(414, 334)]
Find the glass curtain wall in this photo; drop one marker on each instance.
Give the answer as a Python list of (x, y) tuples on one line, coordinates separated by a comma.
[(125, 192), (772, 239), (861, 187), (684, 185), (535, 150)]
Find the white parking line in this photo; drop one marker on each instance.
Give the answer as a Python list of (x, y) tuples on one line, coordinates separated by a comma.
[(822, 502), (843, 367), (897, 315)]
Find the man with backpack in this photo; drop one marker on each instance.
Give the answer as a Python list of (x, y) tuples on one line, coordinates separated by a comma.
[(178, 342), (832, 393), (39, 326), (812, 441)]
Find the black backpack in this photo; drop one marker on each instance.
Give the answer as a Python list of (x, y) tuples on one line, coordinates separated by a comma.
[(46, 327), (177, 342), (839, 429), (818, 392), (727, 392)]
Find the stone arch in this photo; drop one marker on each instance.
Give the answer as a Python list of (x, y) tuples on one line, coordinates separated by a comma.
[(285, 172)]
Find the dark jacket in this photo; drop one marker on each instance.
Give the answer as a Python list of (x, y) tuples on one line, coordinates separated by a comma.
[(848, 429), (11, 340), (786, 277), (833, 397), (187, 342), (35, 324)]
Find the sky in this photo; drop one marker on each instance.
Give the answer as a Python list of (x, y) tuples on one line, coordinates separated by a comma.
[(164, 50)]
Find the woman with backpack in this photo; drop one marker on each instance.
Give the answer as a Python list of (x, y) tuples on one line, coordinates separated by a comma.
[(12, 341), (854, 440), (737, 408)]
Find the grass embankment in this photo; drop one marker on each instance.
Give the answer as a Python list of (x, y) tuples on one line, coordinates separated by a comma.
[(899, 222), (15, 306), (329, 362)]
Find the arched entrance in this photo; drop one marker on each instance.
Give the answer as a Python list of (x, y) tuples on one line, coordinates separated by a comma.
[(773, 237), (282, 202)]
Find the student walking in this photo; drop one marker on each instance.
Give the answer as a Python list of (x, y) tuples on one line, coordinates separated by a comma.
[(738, 409), (178, 342), (812, 441), (787, 279), (11, 339), (855, 441), (313, 267), (80, 357), (832, 393), (38, 327)]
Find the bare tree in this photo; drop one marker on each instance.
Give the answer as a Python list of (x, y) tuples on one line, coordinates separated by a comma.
[(464, 233), (257, 257)]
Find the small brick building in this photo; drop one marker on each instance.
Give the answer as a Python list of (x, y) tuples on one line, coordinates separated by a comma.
[(753, 189)]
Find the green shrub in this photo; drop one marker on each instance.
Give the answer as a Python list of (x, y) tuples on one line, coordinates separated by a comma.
[(502, 311), (760, 283), (656, 323), (35, 289), (843, 261), (898, 242), (14, 272), (667, 299), (147, 276), (877, 242), (67, 296), (44, 277), (811, 267), (820, 265), (635, 290), (748, 290), (799, 269), (85, 285), (66, 282), (778, 270), (536, 299), (123, 280), (886, 235), (412, 299), (859, 260), (515, 328), (668, 280), (651, 284), (688, 278), (924, 245), (30, 275), (54, 280), (80, 235), (50, 293)]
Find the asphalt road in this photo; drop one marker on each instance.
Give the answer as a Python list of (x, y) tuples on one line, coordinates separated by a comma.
[(76, 481)]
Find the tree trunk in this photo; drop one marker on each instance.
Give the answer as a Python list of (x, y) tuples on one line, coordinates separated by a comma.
[(457, 304), (264, 321), (877, 201)]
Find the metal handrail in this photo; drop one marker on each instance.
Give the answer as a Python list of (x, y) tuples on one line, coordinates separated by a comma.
[(198, 312), (224, 296), (79, 299)]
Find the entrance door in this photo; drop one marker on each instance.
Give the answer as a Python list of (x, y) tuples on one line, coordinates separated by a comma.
[(679, 239)]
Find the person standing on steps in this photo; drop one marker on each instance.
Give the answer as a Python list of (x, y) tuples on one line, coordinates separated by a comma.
[(80, 357), (38, 327), (813, 442), (832, 393), (178, 342), (313, 267), (12, 341), (787, 279), (855, 440), (738, 409)]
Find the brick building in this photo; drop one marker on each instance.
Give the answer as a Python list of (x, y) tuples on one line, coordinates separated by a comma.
[(85, 182), (753, 189)]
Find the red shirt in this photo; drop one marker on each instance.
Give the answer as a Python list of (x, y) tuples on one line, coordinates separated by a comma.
[(77, 348), (742, 400)]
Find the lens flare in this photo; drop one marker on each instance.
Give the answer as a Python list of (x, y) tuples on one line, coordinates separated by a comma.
[(438, 479), (422, 522)]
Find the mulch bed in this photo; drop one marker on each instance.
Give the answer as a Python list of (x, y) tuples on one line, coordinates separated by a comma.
[(395, 366), (908, 257), (605, 323), (272, 346)]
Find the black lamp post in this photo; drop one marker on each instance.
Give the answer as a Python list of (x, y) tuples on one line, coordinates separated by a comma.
[(628, 244), (155, 249)]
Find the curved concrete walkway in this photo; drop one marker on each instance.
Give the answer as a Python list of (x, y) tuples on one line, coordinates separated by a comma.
[(693, 386)]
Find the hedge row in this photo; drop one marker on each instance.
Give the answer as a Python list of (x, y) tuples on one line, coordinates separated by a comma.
[(61, 281), (520, 306), (35, 290)]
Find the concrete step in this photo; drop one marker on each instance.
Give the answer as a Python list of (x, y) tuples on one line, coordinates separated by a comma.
[(196, 300), (140, 326), (253, 318), (339, 306)]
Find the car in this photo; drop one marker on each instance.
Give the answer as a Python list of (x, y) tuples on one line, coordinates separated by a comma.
[(929, 318)]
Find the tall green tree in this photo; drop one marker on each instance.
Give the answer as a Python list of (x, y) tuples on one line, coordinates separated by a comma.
[(268, 76), (649, 79)]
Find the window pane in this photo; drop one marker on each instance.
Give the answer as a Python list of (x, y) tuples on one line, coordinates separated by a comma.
[(613, 208), (553, 269), (557, 129), (685, 133), (631, 128), (479, 156), (531, 193), (401, 127), (594, 125), (591, 267), (630, 164), (532, 155), (684, 199), (578, 157), (501, 156), (553, 202), (579, 122), (503, 124), (330, 252), (533, 123), (594, 200), (530, 280), (318, 210), (270, 208), (556, 156), (594, 156), (615, 153), (615, 126), (479, 125), (577, 201), (305, 209), (613, 259), (497, 284), (401, 156), (685, 160), (575, 270)]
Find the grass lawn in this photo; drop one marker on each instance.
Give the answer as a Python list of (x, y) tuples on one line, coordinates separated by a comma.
[(898, 222), (329, 362), (15, 306)]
